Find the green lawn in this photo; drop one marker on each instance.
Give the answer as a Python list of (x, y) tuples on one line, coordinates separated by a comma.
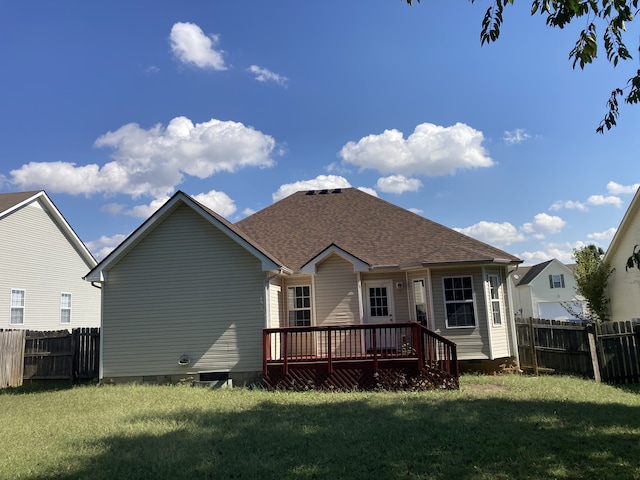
[(494, 427)]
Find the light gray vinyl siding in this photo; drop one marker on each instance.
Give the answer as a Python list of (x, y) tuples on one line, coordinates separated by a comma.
[(472, 342), (185, 289), (499, 334), (336, 293), (36, 256), (275, 302)]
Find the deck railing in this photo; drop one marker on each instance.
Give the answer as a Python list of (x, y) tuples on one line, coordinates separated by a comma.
[(347, 343)]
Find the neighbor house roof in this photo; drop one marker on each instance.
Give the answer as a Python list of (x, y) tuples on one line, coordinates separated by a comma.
[(303, 225), (526, 275), (11, 202)]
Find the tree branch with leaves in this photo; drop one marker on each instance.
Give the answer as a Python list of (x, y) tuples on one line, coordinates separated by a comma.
[(612, 15)]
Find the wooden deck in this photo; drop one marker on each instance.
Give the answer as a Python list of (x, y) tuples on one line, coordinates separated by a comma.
[(389, 356)]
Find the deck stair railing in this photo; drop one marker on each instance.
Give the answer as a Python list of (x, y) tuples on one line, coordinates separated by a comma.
[(387, 342)]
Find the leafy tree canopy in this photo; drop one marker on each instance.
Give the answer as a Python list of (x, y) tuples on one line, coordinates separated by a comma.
[(613, 15), (592, 274)]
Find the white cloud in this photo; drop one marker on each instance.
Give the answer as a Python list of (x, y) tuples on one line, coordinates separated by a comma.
[(617, 189), (417, 211), (248, 211), (219, 202), (145, 211), (113, 208), (104, 245), (560, 251), (602, 200), (493, 233), (430, 150), (543, 224), (398, 184), (512, 137), (191, 46), (319, 183), (265, 75), (368, 190), (152, 162), (606, 235), (568, 204)]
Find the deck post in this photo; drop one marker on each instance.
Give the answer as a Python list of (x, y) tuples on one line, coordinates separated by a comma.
[(375, 349), (285, 363), (418, 346), (329, 360), (265, 348)]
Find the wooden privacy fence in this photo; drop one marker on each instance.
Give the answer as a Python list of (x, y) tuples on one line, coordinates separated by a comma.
[(608, 351), (52, 355)]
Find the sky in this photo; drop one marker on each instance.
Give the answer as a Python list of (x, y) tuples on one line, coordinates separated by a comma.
[(113, 106)]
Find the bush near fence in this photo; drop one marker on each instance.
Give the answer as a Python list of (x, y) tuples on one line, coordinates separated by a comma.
[(48, 355), (608, 352)]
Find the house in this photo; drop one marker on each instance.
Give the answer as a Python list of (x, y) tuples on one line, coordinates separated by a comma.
[(189, 294), (42, 263), (544, 290), (624, 284)]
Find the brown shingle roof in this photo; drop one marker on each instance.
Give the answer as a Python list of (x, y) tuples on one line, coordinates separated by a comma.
[(379, 233), (9, 200)]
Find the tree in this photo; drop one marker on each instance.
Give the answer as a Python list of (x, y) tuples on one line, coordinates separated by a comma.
[(613, 15), (592, 274)]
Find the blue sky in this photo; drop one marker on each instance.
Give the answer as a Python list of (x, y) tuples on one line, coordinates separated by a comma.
[(113, 106)]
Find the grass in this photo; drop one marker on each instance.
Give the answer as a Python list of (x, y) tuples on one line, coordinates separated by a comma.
[(494, 427)]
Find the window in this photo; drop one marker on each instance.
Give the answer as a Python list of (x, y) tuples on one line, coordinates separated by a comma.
[(458, 302), (420, 301), (494, 287), (556, 281), (378, 302), (17, 306), (299, 304), (65, 308)]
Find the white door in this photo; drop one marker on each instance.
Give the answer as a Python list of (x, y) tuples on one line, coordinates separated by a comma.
[(379, 309)]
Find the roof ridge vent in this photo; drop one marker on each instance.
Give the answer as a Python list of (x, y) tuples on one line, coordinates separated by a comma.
[(323, 192), (311, 192), (337, 190)]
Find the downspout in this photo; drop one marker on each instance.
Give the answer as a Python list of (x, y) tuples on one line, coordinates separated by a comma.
[(267, 296)]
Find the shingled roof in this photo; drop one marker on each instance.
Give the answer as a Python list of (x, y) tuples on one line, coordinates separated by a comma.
[(10, 200), (304, 224)]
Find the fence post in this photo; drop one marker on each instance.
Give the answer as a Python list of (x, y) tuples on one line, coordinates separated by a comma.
[(532, 343), (594, 352)]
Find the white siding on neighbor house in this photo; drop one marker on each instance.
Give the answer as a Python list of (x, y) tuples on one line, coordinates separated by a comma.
[(624, 285), (36, 256), (336, 292), (472, 342), (185, 289), (541, 292)]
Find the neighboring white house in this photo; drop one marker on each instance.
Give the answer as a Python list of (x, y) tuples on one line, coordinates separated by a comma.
[(624, 284), (543, 290), (42, 262), (189, 294)]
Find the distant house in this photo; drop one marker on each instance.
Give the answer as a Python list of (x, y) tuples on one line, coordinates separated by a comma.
[(42, 263), (189, 293), (543, 291), (624, 285)]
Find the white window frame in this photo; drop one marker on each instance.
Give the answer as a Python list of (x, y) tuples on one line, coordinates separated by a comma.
[(556, 280), (420, 285), (495, 302), (293, 307), (65, 308), (464, 301), (17, 308)]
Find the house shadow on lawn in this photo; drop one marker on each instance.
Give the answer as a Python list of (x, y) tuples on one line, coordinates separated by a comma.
[(421, 436)]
